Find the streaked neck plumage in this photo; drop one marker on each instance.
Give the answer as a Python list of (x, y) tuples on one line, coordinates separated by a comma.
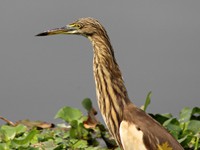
[(111, 92)]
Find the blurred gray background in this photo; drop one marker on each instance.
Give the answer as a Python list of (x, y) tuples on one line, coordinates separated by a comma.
[(156, 42)]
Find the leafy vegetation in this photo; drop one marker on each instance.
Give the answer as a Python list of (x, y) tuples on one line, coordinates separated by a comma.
[(86, 132)]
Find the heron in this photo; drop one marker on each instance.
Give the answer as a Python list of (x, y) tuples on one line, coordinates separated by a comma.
[(131, 127)]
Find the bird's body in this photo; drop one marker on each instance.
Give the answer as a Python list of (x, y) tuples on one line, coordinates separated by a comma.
[(131, 127)]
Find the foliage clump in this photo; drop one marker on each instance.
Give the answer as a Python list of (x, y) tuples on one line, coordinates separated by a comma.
[(87, 133)]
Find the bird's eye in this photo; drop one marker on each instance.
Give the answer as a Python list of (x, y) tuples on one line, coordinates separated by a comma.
[(76, 25)]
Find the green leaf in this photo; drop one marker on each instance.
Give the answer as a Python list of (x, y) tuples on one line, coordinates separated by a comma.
[(74, 124), (195, 113), (96, 148), (159, 117), (196, 110), (185, 114), (75, 136), (69, 114), (80, 144), (8, 131), (4, 146), (20, 128), (49, 145), (73, 133), (172, 121), (147, 102), (186, 142), (182, 139), (194, 126), (87, 104), (167, 115), (174, 130), (27, 139)]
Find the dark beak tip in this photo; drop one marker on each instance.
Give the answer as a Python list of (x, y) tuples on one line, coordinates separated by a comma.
[(42, 34)]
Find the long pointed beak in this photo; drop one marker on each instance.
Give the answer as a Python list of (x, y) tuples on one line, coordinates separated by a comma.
[(62, 30)]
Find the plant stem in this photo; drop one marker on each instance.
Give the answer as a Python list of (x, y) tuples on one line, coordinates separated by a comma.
[(196, 143)]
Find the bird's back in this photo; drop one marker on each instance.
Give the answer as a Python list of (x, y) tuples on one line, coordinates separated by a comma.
[(143, 131)]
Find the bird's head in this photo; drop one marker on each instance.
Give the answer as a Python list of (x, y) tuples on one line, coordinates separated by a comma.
[(84, 26)]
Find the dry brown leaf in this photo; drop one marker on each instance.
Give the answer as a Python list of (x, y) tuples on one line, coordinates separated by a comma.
[(92, 121), (7, 121), (39, 124)]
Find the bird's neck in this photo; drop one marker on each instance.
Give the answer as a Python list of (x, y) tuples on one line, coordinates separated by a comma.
[(111, 92)]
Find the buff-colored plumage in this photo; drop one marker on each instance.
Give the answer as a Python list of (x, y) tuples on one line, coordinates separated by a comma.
[(131, 127)]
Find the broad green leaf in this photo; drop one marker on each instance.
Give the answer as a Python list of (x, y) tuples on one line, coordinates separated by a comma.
[(167, 115), (118, 148), (194, 126), (168, 121), (27, 139), (173, 127), (185, 114), (195, 113), (196, 110), (20, 128), (60, 147), (171, 121), (87, 104), (49, 145), (73, 133), (58, 139), (74, 124), (80, 144), (33, 148), (72, 141), (69, 114), (96, 148), (8, 131), (186, 142), (4, 146), (159, 117), (182, 139)]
